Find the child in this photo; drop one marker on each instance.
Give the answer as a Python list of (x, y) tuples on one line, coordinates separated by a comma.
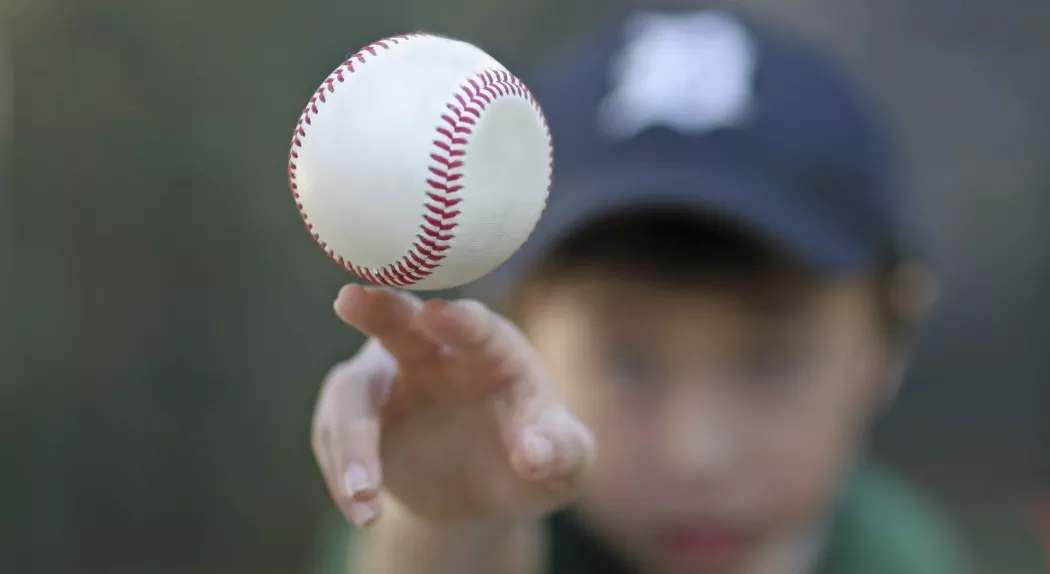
[(713, 310)]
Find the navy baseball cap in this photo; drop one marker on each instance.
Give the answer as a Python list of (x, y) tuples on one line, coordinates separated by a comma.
[(713, 112)]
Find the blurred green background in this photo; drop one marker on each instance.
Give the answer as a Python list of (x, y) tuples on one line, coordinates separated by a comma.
[(165, 320)]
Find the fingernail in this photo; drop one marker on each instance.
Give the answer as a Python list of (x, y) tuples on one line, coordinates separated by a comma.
[(362, 514), (539, 451), (355, 479)]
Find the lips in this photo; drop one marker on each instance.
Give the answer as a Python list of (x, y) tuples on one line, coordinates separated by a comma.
[(701, 543)]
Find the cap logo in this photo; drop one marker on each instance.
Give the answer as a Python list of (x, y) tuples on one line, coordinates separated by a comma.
[(689, 72)]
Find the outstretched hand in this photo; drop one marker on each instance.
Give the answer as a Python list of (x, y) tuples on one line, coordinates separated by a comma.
[(448, 409)]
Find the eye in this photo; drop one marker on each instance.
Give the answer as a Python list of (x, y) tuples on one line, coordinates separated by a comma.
[(632, 367), (776, 364)]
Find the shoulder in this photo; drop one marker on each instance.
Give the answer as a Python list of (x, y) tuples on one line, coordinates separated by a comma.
[(885, 524)]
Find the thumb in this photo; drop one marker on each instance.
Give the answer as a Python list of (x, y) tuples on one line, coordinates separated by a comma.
[(554, 448), (347, 432)]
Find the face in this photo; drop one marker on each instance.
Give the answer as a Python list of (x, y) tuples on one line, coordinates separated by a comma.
[(724, 418)]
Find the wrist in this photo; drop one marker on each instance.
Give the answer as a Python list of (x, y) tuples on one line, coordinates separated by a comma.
[(416, 544)]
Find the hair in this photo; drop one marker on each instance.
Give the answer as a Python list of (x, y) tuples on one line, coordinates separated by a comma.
[(685, 250)]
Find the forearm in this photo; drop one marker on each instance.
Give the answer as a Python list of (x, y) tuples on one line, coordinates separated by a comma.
[(402, 544)]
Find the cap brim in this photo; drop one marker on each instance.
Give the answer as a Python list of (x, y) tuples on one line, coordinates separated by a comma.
[(807, 231)]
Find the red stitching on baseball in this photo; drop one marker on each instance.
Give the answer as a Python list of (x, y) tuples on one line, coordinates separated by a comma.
[(439, 220)]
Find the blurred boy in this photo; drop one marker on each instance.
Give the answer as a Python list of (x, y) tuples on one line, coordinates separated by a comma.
[(714, 308)]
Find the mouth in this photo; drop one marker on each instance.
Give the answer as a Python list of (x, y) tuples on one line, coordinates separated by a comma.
[(701, 544)]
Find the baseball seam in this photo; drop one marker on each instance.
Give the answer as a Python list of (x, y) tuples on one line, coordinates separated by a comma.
[(448, 157)]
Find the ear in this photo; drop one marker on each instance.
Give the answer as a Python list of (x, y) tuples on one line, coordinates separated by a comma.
[(912, 295)]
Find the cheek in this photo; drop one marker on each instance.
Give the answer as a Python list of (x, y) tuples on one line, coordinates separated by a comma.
[(619, 488), (809, 441), (801, 472), (568, 352), (620, 428)]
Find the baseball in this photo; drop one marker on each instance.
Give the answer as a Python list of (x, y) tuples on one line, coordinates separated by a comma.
[(421, 163)]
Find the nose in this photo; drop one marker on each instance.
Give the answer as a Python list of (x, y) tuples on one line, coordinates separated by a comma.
[(696, 442)]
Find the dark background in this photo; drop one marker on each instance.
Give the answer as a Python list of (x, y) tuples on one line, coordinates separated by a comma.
[(165, 320)]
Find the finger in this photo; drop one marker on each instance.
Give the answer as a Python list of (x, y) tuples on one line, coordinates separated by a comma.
[(360, 514), (478, 336), (326, 463), (556, 448), (356, 458), (388, 316), (364, 514), (358, 388), (347, 443), (333, 477)]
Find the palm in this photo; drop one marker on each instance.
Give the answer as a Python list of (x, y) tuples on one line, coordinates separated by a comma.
[(447, 462)]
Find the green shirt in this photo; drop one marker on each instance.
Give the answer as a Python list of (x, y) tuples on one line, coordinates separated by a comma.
[(881, 526)]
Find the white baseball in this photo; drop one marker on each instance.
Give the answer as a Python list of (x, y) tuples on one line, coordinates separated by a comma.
[(421, 163)]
